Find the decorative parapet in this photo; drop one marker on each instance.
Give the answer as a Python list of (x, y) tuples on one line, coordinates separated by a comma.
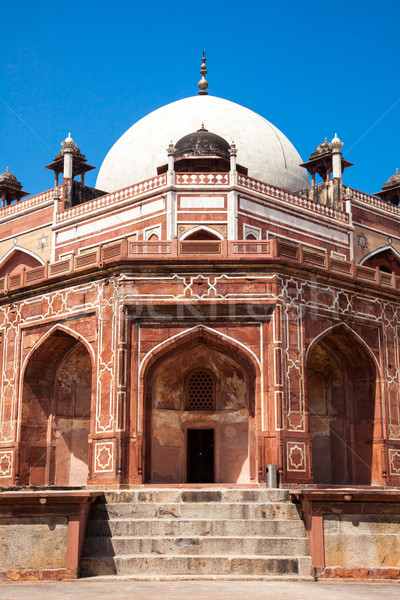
[(114, 198), (26, 205), (129, 251), (293, 199), (373, 201), (202, 178)]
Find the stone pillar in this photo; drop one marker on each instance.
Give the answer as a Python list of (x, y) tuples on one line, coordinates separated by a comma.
[(68, 149), (233, 172), (171, 164), (56, 210), (56, 199), (347, 207), (232, 196), (68, 159), (171, 195), (336, 157)]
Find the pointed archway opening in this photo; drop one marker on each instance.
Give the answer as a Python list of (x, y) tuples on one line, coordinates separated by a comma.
[(387, 261), (199, 423), (201, 235), (56, 403), (341, 378)]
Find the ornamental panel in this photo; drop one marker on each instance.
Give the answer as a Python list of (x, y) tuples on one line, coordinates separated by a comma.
[(296, 457), (104, 457)]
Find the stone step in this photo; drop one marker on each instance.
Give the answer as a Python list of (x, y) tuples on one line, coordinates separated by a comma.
[(192, 577), (194, 510), (195, 565), (196, 545), (195, 527), (169, 495)]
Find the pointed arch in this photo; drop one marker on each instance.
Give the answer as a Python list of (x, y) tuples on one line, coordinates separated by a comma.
[(56, 397), (17, 259), (209, 231), (163, 391), (378, 251), (193, 333), (17, 248), (61, 328), (343, 415), (347, 327), (387, 258)]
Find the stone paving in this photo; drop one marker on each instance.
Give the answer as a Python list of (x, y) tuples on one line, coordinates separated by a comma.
[(236, 590)]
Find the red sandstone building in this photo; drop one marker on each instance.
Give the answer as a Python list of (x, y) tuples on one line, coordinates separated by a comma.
[(202, 313)]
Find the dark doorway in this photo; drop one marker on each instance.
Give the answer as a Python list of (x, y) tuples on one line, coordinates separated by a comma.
[(200, 455)]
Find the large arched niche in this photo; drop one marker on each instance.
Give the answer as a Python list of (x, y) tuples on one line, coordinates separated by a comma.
[(169, 420), (55, 416), (342, 391)]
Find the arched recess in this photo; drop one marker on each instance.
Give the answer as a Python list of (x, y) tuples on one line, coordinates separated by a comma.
[(176, 435), (202, 232), (18, 258), (343, 411), (55, 413), (386, 258)]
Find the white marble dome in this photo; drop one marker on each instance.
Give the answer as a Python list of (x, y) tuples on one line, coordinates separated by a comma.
[(262, 148)]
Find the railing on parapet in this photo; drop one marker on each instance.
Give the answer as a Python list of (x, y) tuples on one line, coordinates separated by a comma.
[(373, 201), (293, 199), (131, 251), (107, 200), (27, 204), (202, 178), (149, 185)]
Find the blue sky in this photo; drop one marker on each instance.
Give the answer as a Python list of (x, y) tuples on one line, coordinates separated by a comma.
[(96, 67)]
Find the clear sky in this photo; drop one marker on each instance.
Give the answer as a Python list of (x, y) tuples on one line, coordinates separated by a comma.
[(95, 67)]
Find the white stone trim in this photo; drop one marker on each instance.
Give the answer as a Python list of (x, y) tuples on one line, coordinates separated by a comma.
[(155, 229), (256, 231)]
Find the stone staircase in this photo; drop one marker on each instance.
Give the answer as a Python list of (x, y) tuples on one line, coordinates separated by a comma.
[(218, 533)]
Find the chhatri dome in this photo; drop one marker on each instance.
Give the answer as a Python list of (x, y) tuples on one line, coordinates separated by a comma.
[(261, 147)]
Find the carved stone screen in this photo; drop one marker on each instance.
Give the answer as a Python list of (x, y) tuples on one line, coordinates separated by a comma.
[(200, 391)]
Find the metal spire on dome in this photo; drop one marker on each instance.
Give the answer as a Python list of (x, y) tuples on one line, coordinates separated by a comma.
[(203, 83)]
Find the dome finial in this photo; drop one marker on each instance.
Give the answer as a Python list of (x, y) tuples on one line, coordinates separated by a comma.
[(203, 84)]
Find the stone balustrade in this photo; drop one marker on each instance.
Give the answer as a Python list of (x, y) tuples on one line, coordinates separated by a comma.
[(373, 201), (114, 198), (27, 204), (293, 199), (131, 251)]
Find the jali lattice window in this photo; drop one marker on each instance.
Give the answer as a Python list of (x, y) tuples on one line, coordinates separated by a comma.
[(201, 391)]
